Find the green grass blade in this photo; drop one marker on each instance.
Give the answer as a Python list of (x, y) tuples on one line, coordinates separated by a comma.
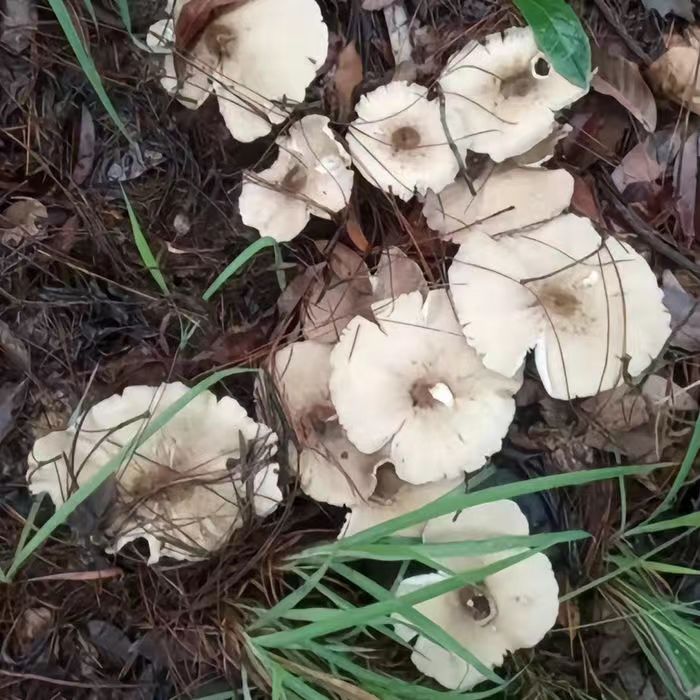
[(147, 257), (64, 511), (86, 63), (691, 520), (237, 264)]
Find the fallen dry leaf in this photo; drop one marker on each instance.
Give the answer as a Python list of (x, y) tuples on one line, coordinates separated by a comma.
[(21, 219), (345, 263), (196, 15), (617, 410), (685, 313), (86, 147), (348, 75), (375, 4), (355, 233), (583, 201), (622, 80), (685, 181), (680, 8), (676, 74), (397, 274), (664, 394), (17, 24), (648, 160)]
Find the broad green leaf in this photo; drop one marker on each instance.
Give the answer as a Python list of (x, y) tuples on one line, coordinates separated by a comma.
[(560, 36)]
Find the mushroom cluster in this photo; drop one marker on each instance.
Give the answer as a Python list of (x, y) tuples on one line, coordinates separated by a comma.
[(184, 488)]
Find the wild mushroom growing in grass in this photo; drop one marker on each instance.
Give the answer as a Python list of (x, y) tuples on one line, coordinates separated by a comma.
[(312, 175), (257, 58), (511, 609), (589, 307), (393, 497), (185, 488), (507, 198), (398, 141), (408, 382), (504, 92), (330, 467)]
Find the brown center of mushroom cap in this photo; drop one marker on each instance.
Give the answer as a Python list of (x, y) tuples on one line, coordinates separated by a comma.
[(558, 301), (426, 394), (295, 179), (477, 602), (315, 422), (406, 138), (388, 483), (161, 480), (219, 40)]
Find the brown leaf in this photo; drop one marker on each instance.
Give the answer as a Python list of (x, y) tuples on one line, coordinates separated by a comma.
[(616, 410), (354, 230), (348, 75), (86, 148), (345, 263), (583, 201), (685, 182), (676, 73), (376, 4), (641, 164), (685, 313), (397, 274), (662, 393), (13, 351), (196, 15), (22, 219), (621, 79), (18, 25)]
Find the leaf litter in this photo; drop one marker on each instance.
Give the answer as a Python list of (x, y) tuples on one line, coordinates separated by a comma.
[(79, 319)]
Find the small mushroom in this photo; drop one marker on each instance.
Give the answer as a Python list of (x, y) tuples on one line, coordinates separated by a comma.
[(258, 59), (330, 468), (511, 609), (409, 382), (312, 175), (507, 198), (183, 489), (504, 93), (393, 497), (589, 307), (398, 142)]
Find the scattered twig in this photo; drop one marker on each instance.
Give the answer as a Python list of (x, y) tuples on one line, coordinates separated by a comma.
[(619, 27), (452, 144)]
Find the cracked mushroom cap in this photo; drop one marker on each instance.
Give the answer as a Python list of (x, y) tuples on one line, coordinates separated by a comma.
[(392, 498), (330, 468), (398, 142), (269, 53), (312, 175), (508, 198), (511, 609), (582, 303), (505, 93), (178, 491), (410, 383)]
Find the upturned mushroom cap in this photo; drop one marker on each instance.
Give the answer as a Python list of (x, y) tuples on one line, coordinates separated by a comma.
[(330, 468), (312, 175), (507, 198), (582, 303), (177, 491), (512, 609), (392, 498), (269, 53), (398, 142), (411, 383), (504, 92)]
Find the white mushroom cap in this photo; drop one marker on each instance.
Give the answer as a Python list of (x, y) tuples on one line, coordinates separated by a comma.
[(177, 490), (582, 303), (411, 382), (396, 274), (507, 198), (330, 468), (270, 52), (392, 498), (312, 175), (398, 142), (512, 609), (504, 92)]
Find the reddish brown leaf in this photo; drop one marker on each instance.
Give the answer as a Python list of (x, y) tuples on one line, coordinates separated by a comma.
[(196, 15), (348, 76), (355, 233), (86, 148), (583, 201), (685, 182), (621, 79)]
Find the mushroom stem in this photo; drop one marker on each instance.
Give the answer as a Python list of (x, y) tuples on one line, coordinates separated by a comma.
[(398, 26)]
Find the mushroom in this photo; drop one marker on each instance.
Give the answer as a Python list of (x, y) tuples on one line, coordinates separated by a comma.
[(330, 468), (504, 93), (508, 198), (511, 609), (590, 308), (392, 498), (258, 59), (183, 489), (312, 175), (410, 383), (398, 142)]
